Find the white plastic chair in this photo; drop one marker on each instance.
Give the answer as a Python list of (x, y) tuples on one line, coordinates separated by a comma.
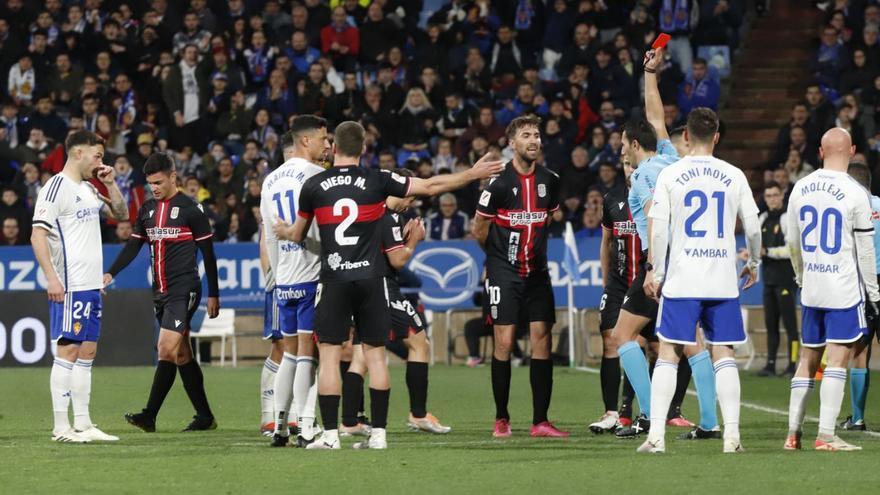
[(222, 327)]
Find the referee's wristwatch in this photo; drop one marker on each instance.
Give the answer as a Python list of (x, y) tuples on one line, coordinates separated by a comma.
[(649, 267)]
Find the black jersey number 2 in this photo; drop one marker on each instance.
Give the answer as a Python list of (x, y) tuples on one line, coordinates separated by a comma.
[(352, 208)]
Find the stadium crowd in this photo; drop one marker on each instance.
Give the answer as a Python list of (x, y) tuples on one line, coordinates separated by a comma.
[(215, 83), (844, 91)]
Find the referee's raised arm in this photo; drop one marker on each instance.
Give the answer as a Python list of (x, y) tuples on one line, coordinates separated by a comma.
[(653, 103)]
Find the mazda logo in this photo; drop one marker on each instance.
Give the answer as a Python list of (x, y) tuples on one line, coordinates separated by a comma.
[(449, 275)]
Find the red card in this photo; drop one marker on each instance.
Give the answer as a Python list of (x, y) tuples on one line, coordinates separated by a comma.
[(661, 41)]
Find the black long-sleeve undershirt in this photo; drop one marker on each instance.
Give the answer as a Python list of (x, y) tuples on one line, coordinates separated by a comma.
[(207, 248)]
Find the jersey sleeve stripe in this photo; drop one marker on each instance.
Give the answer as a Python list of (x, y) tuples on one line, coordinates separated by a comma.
[(202, 238), (409, 184), (137, 236), (53, 189), (43, 224), (485, 214), (394, 248), (305, 215), (864, 230)]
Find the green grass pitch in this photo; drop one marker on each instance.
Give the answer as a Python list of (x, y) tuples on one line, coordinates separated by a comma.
[(235, 459)]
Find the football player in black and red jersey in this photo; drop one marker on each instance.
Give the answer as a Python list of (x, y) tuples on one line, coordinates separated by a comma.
[(348, 203), (511, 225), (619, 257), (175, 227)]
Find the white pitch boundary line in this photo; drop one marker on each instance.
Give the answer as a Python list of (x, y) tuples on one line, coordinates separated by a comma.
[(747, 405)]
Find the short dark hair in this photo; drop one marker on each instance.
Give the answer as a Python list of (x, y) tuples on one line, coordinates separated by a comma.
[(300, 125), (677, 131), (642, 131), (405, 172), (158, 162), (700, 60), (702, 124), (518, 123), (771, 184), (861, 173), (82, 138), (349, 138)]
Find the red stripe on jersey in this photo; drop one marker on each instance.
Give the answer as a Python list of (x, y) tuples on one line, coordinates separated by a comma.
[(365, 213), (530, 231), (307, 216), (632, 257), (160, 247)]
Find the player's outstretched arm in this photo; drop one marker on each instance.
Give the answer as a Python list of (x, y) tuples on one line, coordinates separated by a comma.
[(480, 229), (116, 202), (415, 233), (653, 102), (295, 232), (40, 243), (485, 168), (206, 246), (127, 255)]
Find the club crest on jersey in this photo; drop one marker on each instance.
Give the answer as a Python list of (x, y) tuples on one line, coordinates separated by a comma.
[(494, 311), (151, 213), (542, 190), (174, 212), (77, 327), (515, 189), (620, 205)]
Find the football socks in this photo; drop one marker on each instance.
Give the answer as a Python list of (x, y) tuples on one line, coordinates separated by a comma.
[(704, 382), (636, 368)]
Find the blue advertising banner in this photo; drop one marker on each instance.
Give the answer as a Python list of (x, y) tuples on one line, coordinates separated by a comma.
[(450, 273)]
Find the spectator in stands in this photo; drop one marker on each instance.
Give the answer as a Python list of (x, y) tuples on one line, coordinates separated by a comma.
[(28, 182), (781, 177), (123, 232), (45, 118), (591, 223), (609, 82), (581, 51), (796, 167), (35, 149), (12, 232), (444, 159), (64, 81), (192, 34), (798, 141), (719, 23), (870, 44), (560, 22), (417, 126), (846, 119), (300, 53), (12, 206), (672, 116), (526, 101), (860, 75), (821, 110), (485, 126), (259, 57), (608, 115), (677, 18), (187, 163), (830, 59), (475, 79), (432, 87), (114, 141), (184, 93), (575, 178), (22, 81), (609, 178), (387, 160), (699, 89), (341, 41), (377, 35), (225, 180), (263, 132), (447, 223), (12, 125)]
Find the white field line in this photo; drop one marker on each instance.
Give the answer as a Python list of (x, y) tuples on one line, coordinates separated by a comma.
[(747, 405)]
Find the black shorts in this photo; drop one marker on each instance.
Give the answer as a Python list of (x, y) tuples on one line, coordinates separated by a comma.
[(364, 300), (519, 300), (609, 305), (175, 308), (636, 301), (406, 320)]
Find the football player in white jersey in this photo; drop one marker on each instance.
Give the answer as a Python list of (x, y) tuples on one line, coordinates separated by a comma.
[(696, 202), (67, 244), (297, 268), (831, 238)]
